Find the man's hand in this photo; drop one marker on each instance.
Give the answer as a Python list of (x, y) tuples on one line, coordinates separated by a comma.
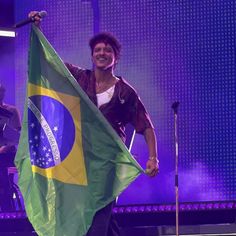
[(37, 18), (152, 167)]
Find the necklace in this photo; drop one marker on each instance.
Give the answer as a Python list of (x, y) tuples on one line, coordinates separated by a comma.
[(104, 85), (110, 92)]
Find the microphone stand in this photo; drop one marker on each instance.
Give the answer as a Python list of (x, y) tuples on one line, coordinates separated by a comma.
[(175, 108)]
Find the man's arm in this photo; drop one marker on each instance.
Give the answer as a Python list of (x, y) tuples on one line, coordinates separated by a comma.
[(153, 162), (16, 120)]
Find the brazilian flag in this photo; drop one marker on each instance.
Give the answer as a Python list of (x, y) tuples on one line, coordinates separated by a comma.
[(71, 162)]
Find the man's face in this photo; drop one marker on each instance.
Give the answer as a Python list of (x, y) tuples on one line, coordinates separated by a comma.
[(103, 56)]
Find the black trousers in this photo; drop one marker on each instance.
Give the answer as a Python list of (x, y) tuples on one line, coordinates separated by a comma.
[(104, 223), (6, 194)]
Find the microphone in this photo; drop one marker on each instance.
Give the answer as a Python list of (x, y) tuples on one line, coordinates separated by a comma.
[(175, 106), (41, 14)]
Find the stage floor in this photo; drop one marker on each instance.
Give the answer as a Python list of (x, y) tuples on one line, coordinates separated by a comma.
[(201, 218)]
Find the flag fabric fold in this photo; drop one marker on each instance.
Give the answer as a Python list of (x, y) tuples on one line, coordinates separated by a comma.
[(71, 162)]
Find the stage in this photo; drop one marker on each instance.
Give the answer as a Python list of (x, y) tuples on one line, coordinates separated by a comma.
[(200, 218)]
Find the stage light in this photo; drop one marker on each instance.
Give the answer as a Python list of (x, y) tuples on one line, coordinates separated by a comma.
[(13, 215), (4, 32), (187, 206)]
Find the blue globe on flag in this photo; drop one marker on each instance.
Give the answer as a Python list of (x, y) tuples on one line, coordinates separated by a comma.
[(51, 131)]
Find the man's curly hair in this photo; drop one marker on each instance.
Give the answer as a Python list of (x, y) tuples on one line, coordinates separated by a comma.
[(106, 38)]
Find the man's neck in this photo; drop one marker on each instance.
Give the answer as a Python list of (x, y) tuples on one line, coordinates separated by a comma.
[(103, 75)]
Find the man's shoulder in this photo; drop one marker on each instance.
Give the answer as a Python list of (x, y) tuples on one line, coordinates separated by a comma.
[(10, 107), (75, 68), (126, 85), (78, 72)]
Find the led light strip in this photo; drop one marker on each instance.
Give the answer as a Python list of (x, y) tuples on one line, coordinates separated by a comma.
[(7, 33)]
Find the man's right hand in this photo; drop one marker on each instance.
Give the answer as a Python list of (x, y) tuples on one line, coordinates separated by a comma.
[(37, 18)]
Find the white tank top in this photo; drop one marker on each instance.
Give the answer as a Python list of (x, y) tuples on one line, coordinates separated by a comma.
[(105, 97)]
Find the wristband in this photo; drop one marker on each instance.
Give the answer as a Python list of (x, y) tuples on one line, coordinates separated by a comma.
[(153, 159)]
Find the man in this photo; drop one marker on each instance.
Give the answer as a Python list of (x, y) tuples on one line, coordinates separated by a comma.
[(120, 105), (13, 122), (10, 125)]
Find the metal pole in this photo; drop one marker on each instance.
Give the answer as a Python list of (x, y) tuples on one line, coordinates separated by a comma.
[(175, 108)]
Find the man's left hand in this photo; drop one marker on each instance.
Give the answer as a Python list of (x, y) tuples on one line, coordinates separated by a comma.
[(152, 167)]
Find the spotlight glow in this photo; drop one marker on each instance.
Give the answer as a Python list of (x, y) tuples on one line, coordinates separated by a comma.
[(7, 33)]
